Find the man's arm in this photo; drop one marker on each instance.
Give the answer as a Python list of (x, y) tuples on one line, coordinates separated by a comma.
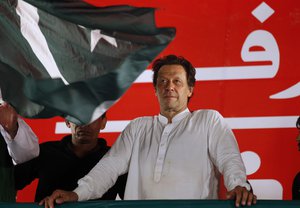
[(22, 143), (226, 156)]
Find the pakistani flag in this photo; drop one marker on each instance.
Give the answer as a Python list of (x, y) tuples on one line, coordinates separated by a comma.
[(68, 58)]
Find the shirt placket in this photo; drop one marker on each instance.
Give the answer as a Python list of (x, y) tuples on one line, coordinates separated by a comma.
[(162, 149)]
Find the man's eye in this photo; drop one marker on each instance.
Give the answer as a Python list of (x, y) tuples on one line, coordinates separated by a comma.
[(178, 81), (163, 81)]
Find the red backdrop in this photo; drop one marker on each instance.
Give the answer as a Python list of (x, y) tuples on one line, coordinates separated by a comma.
[(212, 34)]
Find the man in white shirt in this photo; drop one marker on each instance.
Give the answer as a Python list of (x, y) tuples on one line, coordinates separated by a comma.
[(178, 154), (17, 143)]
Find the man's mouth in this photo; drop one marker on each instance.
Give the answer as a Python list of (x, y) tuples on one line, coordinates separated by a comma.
[(82, 133), (170, 96)]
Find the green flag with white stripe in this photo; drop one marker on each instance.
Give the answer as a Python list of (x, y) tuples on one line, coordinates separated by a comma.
[(68, 58)]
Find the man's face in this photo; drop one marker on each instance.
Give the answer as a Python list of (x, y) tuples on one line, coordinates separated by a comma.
[(172, 89), (86, 134)]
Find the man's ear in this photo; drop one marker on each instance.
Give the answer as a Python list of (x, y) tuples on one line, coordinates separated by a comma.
[(68, 123), (191, 91), (103, 123), (155, 91)]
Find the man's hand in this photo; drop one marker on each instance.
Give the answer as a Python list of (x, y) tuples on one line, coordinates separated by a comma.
[(242, 196), (59, 197), (9, 119)]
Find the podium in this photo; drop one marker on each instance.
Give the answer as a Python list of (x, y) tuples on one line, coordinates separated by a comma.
[(160, 204)]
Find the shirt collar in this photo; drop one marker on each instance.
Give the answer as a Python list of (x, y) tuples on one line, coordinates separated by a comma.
[(176, 118)]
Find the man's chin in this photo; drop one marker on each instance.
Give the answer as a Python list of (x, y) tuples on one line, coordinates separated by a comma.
[(169, 107), (84, 142), (169, 103)]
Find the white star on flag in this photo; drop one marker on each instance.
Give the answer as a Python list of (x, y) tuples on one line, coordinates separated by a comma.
[(96, 36)]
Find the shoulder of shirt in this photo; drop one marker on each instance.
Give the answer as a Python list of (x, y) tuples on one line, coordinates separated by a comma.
[(143, 119), (139, 122), (48, 144), (56, 142), (207, 112)]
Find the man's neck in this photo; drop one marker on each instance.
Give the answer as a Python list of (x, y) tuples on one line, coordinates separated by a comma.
[(81, 150), (171, 113)]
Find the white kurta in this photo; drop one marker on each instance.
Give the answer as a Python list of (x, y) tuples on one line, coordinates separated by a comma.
[(24, 146), (179, 160)]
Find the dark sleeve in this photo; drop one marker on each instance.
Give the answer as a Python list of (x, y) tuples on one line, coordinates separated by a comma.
[(7, 189), (25, 173), (251, 190), (118, 188), (296, 187)]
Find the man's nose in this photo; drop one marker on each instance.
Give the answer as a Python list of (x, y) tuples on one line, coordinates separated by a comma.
[(170, 86), (83, 126)]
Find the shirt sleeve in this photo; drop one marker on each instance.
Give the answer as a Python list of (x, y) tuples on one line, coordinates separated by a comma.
[(225, 153), (24, 146), (106, 172)]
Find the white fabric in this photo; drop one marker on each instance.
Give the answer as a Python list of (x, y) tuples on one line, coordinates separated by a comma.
[(24, 146), (179, 160)]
